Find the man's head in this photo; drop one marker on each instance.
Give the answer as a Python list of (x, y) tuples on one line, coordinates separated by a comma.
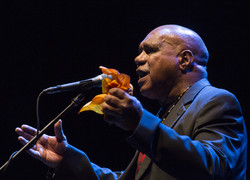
[(171, 58)]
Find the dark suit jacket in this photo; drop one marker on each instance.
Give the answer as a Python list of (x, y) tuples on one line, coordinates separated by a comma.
[(204, 137)]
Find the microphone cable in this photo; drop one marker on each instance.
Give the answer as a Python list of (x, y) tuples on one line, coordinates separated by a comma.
[(7, 164)]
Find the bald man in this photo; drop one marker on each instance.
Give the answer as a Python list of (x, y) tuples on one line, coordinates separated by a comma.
[(199, 132)]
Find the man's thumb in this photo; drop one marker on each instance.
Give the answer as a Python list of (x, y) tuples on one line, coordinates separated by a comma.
[(59, 131)]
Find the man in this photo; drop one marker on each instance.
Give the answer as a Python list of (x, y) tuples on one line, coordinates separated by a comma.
[(199, 133)]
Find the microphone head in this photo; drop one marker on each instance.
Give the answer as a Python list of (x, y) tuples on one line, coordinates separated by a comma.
[(79, 85), (97, 81)]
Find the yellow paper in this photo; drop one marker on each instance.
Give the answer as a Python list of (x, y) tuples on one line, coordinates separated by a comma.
[(118, 80), (94, 105)]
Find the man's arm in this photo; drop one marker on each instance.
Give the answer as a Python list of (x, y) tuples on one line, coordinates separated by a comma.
[(216, 147), (76, 165)]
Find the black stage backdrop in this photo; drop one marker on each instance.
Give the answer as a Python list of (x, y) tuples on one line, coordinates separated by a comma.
[(45, 43)]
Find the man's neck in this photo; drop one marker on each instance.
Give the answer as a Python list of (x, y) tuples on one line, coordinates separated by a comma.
[(176, 92)]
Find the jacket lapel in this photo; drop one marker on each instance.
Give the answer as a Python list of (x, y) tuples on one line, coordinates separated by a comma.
[(145, 164), (174, 116), (130, 172), (185, 102)]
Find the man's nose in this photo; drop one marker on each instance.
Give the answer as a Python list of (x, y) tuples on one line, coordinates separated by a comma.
[(141, 59)]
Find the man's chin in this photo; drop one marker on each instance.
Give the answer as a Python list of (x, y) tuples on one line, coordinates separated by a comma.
[(148, 94)]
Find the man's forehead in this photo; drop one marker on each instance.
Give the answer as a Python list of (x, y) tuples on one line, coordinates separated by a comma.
[(155, 39), (150, 41)]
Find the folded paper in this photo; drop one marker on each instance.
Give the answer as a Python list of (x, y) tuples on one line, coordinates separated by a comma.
[(119, 80)]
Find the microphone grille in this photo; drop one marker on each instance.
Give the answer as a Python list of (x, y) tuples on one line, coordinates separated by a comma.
[(97, 81)]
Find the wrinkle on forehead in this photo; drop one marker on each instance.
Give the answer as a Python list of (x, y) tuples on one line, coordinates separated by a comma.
[(157, 38)]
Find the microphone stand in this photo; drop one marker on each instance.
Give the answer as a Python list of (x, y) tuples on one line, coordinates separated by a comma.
[(75, 102)]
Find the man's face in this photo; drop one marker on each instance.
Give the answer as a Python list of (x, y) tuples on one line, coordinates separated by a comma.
[(157, 66)]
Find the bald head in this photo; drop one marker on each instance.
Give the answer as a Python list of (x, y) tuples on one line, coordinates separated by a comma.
[(171, 59), (183, 39)]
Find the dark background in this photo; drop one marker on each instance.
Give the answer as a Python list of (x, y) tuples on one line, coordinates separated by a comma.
[(45, 43)]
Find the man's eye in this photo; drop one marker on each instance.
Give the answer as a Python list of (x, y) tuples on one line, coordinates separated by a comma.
[(151, 50)]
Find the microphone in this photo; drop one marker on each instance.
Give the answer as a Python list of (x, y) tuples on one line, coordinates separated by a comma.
[(80, 85)]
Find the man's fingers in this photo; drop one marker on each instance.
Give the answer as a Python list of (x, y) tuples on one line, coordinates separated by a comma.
[(112, 100), (20, 132), (32, 151), (24, 141), (28, 129), (119, 93), (59, 131), (109, 110)]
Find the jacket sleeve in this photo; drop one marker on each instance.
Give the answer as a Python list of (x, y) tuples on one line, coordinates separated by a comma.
[(77, 166), (215, 149)]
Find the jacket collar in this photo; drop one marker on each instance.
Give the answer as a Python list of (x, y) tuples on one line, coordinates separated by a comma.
[(192, 92), (183, 103)]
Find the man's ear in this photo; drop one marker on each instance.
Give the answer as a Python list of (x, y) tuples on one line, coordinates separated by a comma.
[(186, 59)]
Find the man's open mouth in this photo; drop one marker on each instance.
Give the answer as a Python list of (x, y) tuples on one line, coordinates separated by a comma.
[(141, 74)]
